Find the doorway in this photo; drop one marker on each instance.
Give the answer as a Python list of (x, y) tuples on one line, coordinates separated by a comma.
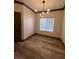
[(17, 26)]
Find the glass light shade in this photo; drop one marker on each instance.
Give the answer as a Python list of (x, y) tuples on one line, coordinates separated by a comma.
[(42, 12), (48, 9), (47, 12), (35, 10)]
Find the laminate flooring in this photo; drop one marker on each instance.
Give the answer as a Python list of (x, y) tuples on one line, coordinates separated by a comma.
[(39, 47)]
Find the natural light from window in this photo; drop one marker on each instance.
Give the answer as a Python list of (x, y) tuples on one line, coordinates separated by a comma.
[(47, 24)]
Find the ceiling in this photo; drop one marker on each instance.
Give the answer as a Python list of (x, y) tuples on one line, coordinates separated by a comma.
[(49, 4)]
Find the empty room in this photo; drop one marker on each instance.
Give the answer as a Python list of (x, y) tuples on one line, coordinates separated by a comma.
[(39, 29)]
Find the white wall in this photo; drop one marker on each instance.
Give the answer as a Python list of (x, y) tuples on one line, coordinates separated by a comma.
[(58, 16), (27, 19)]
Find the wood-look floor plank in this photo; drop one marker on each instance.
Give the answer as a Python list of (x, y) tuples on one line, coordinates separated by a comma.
[(40, 47)]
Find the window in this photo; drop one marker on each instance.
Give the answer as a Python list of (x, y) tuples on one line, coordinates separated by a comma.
[(47, 24)]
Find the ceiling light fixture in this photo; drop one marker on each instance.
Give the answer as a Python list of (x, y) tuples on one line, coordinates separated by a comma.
[(43, 12), (35, 10), (48, 10)]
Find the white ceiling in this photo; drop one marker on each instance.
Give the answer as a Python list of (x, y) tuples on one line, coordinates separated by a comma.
[(49, 4)]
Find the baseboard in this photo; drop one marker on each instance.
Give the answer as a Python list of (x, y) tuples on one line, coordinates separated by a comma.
[(43, 35), (48, 36), (28, 37), (51, 37), (62, 41)]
